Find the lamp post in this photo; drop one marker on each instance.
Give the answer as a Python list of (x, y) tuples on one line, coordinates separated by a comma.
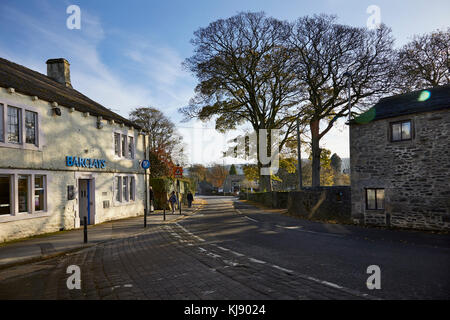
[(348, 75), (223, 165), (299, 157)]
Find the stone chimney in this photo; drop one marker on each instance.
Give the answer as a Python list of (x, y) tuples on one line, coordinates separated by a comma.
[(59, 70)]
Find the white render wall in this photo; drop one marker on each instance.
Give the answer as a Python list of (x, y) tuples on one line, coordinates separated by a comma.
[(71, 134)]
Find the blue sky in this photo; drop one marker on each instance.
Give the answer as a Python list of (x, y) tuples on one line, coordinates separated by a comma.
[(129, 53)]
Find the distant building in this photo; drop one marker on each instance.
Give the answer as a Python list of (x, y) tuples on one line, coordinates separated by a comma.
[(400, 161), (205, 188), (63, 156), (233, 183)]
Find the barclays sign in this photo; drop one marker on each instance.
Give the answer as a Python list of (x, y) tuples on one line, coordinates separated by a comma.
[(85, 162)]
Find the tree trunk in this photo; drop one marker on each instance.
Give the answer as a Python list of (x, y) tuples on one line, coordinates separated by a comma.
[(315, 150), (265, 182)]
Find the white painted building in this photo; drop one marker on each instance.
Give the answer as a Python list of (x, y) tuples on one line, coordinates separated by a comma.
[(62, 155)]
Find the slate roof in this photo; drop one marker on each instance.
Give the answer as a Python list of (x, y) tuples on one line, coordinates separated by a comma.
[(432, 99), (32, 83)]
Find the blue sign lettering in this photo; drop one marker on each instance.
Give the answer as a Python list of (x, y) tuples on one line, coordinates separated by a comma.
[(85, 162), (69, 161)]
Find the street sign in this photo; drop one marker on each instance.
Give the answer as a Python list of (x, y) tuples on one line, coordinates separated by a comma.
[(178, 172), (145, 164)]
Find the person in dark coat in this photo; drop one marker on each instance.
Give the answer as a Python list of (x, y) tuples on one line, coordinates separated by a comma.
[(172, 200), (190, 198)]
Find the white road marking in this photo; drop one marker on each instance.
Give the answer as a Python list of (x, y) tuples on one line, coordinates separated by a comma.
[(282, 269), (251, 219), (221, 248), (323, 282), (299, 229), (289, 228), (237, 254), (214, 255), (256, 260), (332, 285), (230, 263), (231, 251), (190, 233)]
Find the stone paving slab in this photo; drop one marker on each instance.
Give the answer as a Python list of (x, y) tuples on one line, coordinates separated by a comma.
[(51, 245)]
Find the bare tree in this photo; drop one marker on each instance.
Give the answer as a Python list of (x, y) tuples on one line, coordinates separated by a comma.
[(425, 61), (216, 175), (165, 144), (324, 52), (246, 75), (162, 131)]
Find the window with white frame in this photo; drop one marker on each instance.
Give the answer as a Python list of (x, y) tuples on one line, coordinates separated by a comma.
[(124, 145), (31, 127), (39, 193), (375, 199), (117, 144), (132, 189), (130, 147), (118, 184), (22, 193), (13, 124), (124, 189), (19, 126), (23, 187), (401, 131)]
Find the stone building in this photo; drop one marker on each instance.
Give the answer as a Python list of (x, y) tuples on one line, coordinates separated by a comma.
[(400, 161), (62, 155)]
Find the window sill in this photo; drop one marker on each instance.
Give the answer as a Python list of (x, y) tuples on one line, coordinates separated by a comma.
[(399, 141), (23, 216), (121, 204), (20, 146), (122, 158)]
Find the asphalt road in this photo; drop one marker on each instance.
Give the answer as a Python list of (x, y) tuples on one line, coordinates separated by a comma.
[(413, 265), (230, 250)]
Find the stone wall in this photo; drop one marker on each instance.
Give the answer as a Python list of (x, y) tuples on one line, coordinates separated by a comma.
[(274, 199), (415, 174), (323, 203)]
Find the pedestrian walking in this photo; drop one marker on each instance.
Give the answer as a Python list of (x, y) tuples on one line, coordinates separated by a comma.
[(172, 201), (190, 198)]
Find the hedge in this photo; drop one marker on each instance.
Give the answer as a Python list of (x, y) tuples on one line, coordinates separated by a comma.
[(162, 187)]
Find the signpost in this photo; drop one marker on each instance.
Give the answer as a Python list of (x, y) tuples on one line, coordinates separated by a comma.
[(178, 174), (145, 164)]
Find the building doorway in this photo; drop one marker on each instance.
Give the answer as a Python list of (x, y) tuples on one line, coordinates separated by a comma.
[(86, 200)]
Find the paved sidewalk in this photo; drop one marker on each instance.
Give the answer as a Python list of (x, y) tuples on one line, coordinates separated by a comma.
[(50, 245)]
